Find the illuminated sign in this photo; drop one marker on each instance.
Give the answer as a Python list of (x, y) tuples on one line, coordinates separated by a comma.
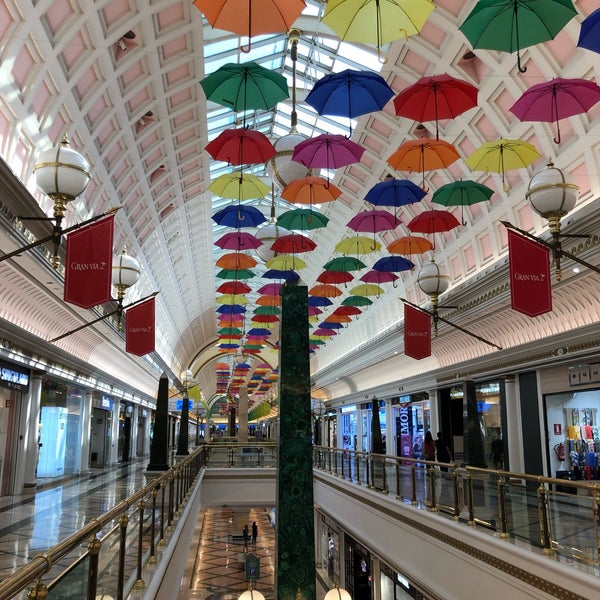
[(12, 377)]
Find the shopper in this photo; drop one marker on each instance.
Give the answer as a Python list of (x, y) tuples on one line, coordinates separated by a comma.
[(442, 450), (246, 535), (254, 534), (428, 447)]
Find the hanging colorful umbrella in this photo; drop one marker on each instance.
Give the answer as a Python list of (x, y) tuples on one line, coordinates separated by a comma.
[(285, 262), (236, 274), (393, 264), (260, 331), (376, 22), (325, 289), (241, 147), (239, 216), (344, 263), (462, 193), (327, 151), (267, 310), (436, 97), (238, 240), (265, 318), (293, 243), (319, 301), (379, 277), (589, 34), (232, 299), (231, 309), (551, 101), (330, 325), (268, 300), (302, 219), (238, 186), (323, 333), (349, 93), (395, 192), (418, 156), (433, 221), (347, 310), (310, 190), (245, 86), (285, 274), (335, 277), (357, 244), (338, 319), (270, 289), (229, 331), (234, 287), (373, 221), (357, 301), (502, 155), (367, 289), (236, 260), (510, 25), (314, 310), (410, 244)]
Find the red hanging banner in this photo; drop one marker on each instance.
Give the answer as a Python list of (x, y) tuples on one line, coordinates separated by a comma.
[(530, 291), (139, 333), (88, 264), (417, 333)]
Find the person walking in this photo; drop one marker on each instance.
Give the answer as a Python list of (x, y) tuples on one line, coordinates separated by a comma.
[(246, 535), (442, 450), (254, 534), (428, 448)]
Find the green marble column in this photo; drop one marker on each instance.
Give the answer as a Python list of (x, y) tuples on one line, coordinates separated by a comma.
[(160, 433), (295, 570)]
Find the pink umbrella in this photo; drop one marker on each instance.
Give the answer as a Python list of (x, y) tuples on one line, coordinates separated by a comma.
[(327, 151), (379, 277), (550, 101), (238, 240), (270, 289), (374, 221)]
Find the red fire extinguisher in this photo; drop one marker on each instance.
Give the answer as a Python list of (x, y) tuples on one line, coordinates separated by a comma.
[(559, 450)]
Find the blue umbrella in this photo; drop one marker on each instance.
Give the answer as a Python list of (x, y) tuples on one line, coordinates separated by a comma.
[(231, 309), (259, 331), (328, 325), (239, 215), (395, 192), (589, 35), (393, 264), (319, 301), (279, 274), (349, 94), (229, 346)]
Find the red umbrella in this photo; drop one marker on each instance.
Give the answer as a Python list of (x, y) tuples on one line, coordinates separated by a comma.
[(433, 221), (241, 147), (347, 310), (234, 287), (238, 240), (293, 243), (335, 277), (265, 318), (550, 101), (436, 97), (327, 151)]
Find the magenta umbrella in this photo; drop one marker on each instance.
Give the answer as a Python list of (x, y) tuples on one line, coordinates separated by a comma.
[(238, 240), (379, 277), (270, 289), (327, 151), (550, 101), (374, 221)]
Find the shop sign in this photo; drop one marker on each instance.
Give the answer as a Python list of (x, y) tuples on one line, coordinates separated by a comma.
[(106, 402), (13, 377)]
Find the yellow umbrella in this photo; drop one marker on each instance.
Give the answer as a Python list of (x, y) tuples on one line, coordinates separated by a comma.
[(503, 155), (357, 244), (232, 299), (238, 186), (367, 289), (285, 262), (376, 22), (313, 318)]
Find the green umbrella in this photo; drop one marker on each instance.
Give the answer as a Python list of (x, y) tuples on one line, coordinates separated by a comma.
[(510, 25), (357, 301), (235, 274), (229, 331), (246, 86), (302, 219), (462, 193), (267, 310), (344, 263), (316, 341)]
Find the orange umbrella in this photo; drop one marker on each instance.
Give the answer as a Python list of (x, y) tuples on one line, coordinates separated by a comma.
[(268, 300), (328, 291), (236, 261), (338, 319), (410, 244), (310, 190)]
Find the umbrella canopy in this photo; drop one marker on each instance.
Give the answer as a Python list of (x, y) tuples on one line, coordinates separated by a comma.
[(395, 192), (323, 333), (270, 289), (268, 300), (241, 147), (502, 155), (245, 86), (269, 16), (265, 318), (231, 309), (393, 264), (367, 289), (418, 156), (236, 274), (325, 289), (589, 34), (327, 151), (285, 262), (335, 277), (259, 331), (410, 244), (229, 331), (433, 221), (557, 99), (302, 219), (238, 240), (349, 93), (338, 319), (267, 310), (344, 263), (239, 216), (310, 190), (236, 260), (319, 301), (238, 186), (285, 274), (378, 277), (234, 287), (510, 25), (293, 243), (314, 311), (373, 221), (347, 310), (462, 193), (434, 98), (376, 22), (357, 301), (232, 299), (330, 325), (357, 244)]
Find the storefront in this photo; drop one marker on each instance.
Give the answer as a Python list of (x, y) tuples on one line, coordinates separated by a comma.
[(396, 586), (102, 406), (349, 427), (125, 431), (367, 426), (411, 419)]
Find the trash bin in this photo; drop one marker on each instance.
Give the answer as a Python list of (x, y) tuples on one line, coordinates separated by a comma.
[(566, 489)]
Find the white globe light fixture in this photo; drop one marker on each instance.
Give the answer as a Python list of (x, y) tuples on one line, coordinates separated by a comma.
[(251, 595), (62, 174), (125, 273), (433, 281), (337, 593), (552, 195)]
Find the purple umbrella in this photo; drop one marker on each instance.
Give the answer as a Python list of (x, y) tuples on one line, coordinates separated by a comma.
[(379, 277), (238, 240), (327, 151)]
